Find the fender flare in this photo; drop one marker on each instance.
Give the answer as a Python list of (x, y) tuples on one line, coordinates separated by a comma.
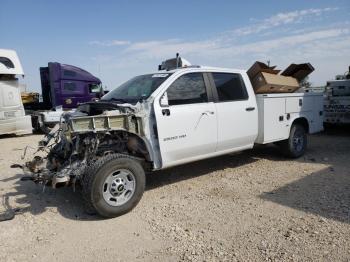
[(303, 121)]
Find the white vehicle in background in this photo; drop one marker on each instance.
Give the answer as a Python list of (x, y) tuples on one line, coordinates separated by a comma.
[(177, 115), (337, 100), (12, 116)]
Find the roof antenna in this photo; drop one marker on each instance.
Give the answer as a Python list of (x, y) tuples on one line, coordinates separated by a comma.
[(177, 60)]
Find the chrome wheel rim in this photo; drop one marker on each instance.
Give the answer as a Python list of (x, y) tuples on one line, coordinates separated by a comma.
[(119, 187)]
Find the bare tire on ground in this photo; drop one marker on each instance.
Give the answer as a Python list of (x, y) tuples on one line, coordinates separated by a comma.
[(295, 145), (113, 185)]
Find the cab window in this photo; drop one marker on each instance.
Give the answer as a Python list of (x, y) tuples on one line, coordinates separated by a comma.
[(6, 62), (71, 88), (230, 87), (94, 88), (187, 89)]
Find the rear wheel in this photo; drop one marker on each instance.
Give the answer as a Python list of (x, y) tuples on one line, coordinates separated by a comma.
[(113, 185), (295, 145)]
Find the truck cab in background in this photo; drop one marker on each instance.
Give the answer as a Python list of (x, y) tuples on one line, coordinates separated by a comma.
[(63, 88), (337, 100), (12, 116), (67, 85)]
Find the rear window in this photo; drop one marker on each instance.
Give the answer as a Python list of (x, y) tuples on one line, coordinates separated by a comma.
[(230, 87)]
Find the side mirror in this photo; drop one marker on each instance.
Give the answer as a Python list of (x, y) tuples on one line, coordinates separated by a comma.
[(164, 100), (101, 93)]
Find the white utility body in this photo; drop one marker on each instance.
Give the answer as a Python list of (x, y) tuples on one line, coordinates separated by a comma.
[(12, 117), (277, 112)]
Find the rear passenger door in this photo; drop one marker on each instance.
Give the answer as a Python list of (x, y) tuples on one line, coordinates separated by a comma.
[(187, 128), (237, 115)]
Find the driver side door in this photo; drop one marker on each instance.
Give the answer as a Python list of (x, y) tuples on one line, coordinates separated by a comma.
[(187, 124)]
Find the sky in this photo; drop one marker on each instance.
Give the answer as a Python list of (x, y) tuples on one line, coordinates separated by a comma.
[(116, 40)]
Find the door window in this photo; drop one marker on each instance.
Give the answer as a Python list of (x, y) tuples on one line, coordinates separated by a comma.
[(230, 87), (94, 88), (187, 89)]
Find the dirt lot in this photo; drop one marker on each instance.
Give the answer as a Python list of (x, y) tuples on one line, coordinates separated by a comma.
[(251, 206)]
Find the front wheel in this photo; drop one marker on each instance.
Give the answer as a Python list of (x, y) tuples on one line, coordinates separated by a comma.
[(295, 145), (113, 185)]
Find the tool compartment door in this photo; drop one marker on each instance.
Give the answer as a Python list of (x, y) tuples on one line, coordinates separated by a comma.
[(273, 125), (298, 104)]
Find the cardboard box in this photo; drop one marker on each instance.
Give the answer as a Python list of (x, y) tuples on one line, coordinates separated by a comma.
[(258, 67), (298, 71), (271, 83), (265, 79)]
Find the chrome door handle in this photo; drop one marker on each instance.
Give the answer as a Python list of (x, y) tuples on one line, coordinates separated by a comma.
[(165, 112), (208, 112)]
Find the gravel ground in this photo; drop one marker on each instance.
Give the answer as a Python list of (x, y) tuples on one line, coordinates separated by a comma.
[(251, 206)]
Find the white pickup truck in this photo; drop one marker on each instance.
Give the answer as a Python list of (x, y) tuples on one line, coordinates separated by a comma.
[(164, 119)]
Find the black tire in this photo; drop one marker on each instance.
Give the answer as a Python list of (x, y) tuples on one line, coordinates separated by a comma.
[(94, 179), (295, 146)]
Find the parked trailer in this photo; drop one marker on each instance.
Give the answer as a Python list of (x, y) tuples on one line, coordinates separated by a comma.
[(12, 116), (337, 100)]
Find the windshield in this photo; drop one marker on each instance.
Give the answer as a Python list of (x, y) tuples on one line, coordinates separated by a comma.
[(137, 88)]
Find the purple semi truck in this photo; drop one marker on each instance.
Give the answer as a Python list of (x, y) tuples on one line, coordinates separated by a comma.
[(67, 85), (63, 88)]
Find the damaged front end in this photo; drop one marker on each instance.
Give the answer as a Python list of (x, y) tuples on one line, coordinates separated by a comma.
[(81, 138)]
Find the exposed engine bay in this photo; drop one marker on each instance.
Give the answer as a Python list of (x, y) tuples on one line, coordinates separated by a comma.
[(95, 130)]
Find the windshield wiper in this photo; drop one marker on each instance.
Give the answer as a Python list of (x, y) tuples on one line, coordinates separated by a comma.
[(119, 100)]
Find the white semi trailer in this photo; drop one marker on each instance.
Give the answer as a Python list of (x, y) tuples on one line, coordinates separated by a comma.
[(12, 116)]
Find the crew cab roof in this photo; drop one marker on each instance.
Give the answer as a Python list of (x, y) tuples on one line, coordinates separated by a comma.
[(9, 63), (202, 69)]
